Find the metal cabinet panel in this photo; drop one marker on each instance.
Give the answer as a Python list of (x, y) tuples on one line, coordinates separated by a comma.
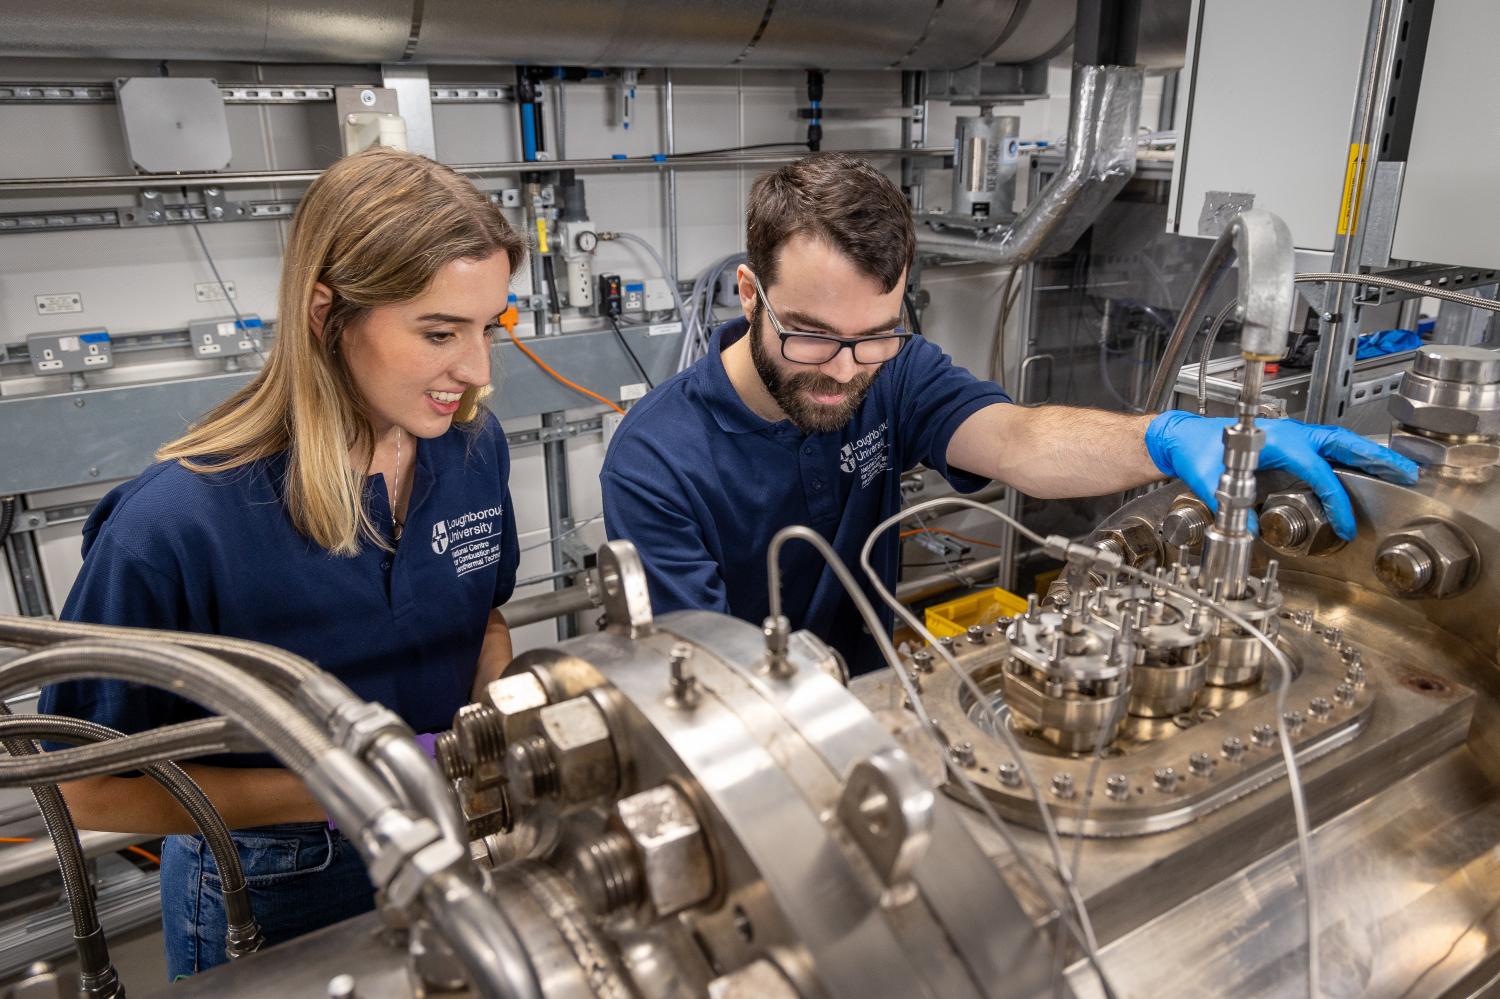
[(1449, 213), (1270, 92)]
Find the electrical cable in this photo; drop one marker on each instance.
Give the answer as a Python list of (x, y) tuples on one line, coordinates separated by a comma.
[(661, 266), (882, 640), (733, 149), (942, 553), (1070, 549), (239, 320), (998, 718), (615, 325), (951, 534), (570, 384), (549, 541), (910, 302), (8, 507)]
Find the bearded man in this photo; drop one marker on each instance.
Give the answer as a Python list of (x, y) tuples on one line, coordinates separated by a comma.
[(808, 409)]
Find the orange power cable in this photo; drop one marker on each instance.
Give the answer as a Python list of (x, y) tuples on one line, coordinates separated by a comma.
[(939, 530), (511, 332), (133, 849)]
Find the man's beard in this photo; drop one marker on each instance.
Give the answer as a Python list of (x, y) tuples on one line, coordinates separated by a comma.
[(790, 391)]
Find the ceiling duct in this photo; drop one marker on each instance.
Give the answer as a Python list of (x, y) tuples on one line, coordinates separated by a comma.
[(758, 34)]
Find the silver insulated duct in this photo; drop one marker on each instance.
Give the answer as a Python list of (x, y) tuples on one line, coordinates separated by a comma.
[(1106, 107), (754, 34)]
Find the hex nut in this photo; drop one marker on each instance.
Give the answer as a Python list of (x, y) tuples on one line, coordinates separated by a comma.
[(1444, 407), (1473, 457), (1293, 524), (406, 886), (582, 749), (673, 850), (517, 697), (1452, 560), (1136, 541)]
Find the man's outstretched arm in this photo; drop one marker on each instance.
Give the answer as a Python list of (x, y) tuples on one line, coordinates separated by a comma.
[(1060, 451)]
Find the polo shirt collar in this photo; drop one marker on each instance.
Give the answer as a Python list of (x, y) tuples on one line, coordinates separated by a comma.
[(730, 411)]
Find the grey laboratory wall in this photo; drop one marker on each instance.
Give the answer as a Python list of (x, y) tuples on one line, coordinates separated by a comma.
[(143, 279)]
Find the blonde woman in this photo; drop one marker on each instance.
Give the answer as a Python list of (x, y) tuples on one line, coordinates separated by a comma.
[(350, 505)]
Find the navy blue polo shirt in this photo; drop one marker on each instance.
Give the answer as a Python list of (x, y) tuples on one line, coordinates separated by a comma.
[(700, 484), (218, 554)]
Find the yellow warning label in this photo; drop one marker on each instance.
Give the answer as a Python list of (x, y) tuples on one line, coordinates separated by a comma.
[(541, 235), (1354, 183)]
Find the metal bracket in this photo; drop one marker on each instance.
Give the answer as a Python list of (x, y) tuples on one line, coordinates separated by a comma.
[(1374, 388), (1220, 209), (627, 600), (152, 211), (52, 516), (219, 208), (887, 809), (1429, 275)]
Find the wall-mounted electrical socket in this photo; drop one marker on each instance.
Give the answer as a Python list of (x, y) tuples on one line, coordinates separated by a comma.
[(209, 291), (52, 305)]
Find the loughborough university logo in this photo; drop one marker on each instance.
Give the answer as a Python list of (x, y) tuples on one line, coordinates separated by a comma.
[(867, 456), (440, 537)]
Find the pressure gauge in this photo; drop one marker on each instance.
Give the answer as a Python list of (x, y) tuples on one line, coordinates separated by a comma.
[(587, 240)]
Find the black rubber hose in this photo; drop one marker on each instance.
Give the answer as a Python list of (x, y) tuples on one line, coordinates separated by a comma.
[(244, 931), (8, 506)]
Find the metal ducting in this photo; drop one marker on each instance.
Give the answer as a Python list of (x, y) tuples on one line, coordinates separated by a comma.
[(761, 34)]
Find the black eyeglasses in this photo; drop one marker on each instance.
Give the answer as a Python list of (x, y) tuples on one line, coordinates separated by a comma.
[(819, 348)]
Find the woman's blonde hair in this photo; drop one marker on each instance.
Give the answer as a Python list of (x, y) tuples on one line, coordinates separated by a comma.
[(375, 228)]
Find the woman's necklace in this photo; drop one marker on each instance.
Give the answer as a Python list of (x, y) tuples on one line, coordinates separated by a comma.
[(397, 522)]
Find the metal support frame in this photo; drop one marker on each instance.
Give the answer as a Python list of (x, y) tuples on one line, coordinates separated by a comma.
[(264, 178), (26, 575), (287, 93), (1395, 45)]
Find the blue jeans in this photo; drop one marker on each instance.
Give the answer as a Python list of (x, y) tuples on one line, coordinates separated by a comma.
[(302, 876)]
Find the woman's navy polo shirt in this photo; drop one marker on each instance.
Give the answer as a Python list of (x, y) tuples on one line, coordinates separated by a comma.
[(700, 484), (218, 554)]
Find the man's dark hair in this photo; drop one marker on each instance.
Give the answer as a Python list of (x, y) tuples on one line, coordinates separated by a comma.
[(839, 199)]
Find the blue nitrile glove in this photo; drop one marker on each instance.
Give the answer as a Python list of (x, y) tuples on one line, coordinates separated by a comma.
[(1191, 448)]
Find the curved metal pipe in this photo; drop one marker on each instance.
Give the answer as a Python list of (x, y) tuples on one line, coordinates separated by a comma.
[(1262, 245), (416, 778), (1100, 159), (482, 938)]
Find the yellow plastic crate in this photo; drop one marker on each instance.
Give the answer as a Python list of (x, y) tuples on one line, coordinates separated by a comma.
[(953, 617)]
